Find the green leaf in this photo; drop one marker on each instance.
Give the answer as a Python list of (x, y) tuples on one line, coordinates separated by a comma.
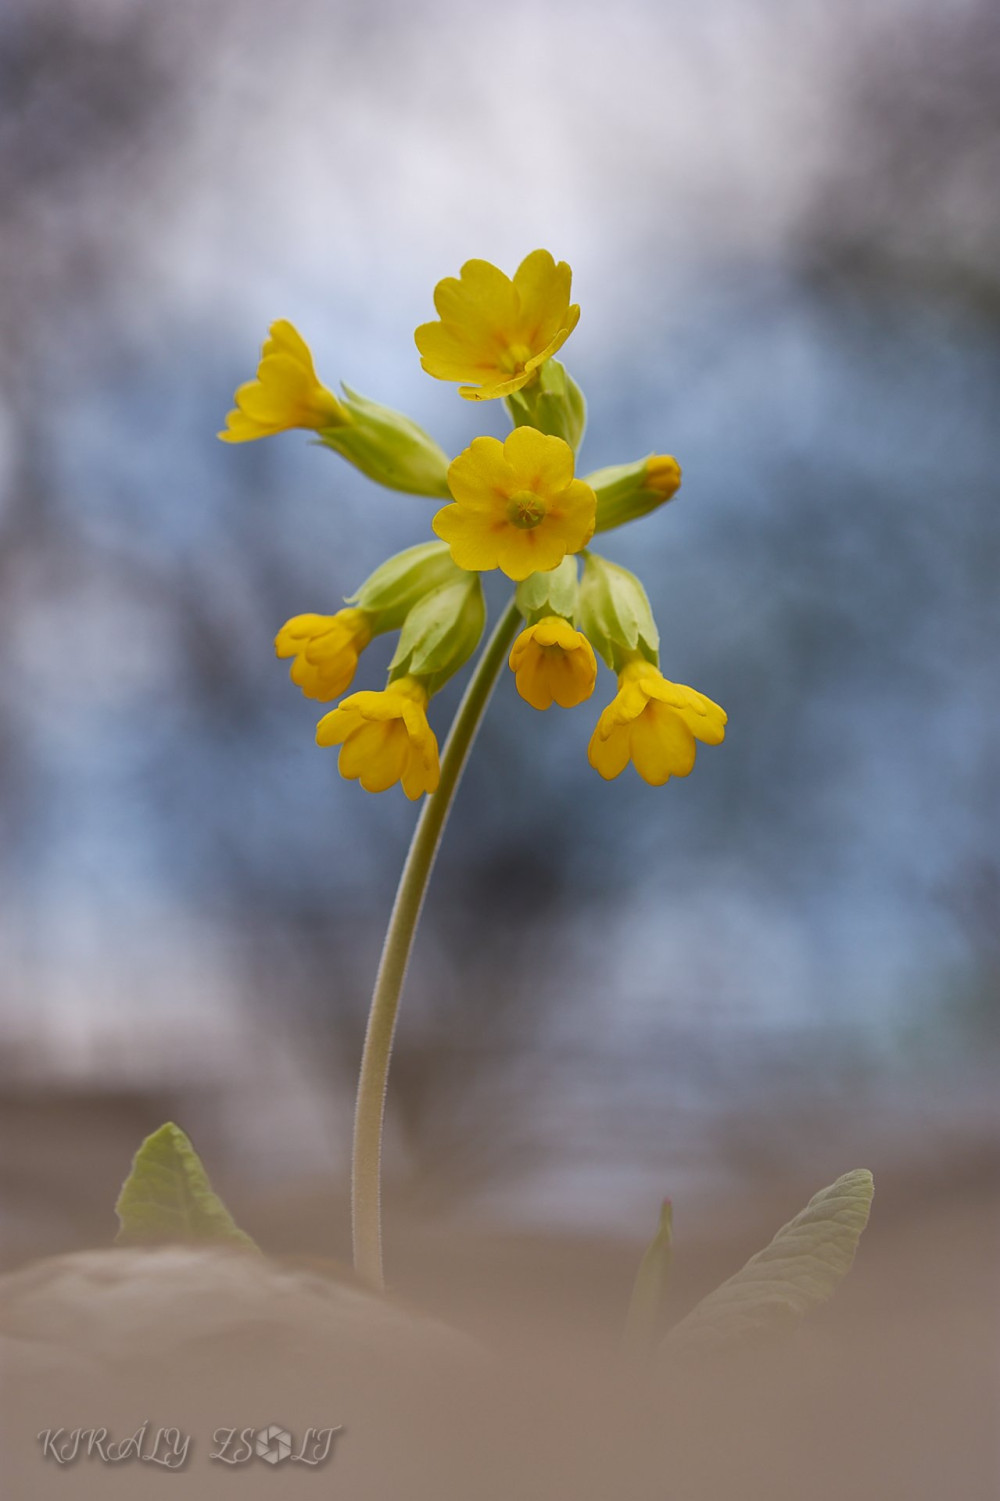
[(801, 1268), (167, 1197), (650, 1287)]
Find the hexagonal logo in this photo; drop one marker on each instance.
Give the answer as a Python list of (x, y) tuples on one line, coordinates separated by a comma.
[(273, 1444)]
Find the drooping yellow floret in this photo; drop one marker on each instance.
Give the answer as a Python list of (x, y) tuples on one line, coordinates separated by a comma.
[(326, 650), (385, 738), (517, 506), (654, 724), (286, 392), (553, 663), (494, 331)]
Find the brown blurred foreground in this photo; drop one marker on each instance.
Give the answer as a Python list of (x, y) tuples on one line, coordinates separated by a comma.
[(495, 1371)]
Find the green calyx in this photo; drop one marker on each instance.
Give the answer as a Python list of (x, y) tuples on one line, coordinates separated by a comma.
[(441, 632), (553, 403), (390, 448), (552, 593), (627, 491), (614, 614), (389, 594)]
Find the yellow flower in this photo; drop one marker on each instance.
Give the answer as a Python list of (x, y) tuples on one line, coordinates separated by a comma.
[(326, 650), (517, 506), (654, 724), (496, 332), (553, 662), (287, 392), (385, 738)]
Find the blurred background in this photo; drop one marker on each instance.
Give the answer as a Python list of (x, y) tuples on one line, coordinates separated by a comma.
[(785, 234)]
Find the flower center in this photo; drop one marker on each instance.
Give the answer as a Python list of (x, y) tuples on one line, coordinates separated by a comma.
[(514, 358), (525, 509)]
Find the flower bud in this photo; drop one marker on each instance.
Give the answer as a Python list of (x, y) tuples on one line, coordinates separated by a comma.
[(553, 403), (551, 593), (440, 633), (390, 448), (614, 614), (627, 491), (389, 594)]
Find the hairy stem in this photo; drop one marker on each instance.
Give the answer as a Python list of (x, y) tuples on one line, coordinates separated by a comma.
[(366, 1206)]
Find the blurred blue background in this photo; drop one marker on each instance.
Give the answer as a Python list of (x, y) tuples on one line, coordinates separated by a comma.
[(785, 237)]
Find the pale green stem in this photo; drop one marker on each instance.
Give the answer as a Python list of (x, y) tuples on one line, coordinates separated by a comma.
[(366, 1180)]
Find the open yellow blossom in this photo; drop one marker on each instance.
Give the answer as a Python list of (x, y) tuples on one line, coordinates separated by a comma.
[(286, 393), (495, 332), (553, 663), (654, 724), (326, 650), (517, 506), (385, 738)]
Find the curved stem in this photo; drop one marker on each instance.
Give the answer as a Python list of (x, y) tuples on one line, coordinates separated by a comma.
[(366, 1209)]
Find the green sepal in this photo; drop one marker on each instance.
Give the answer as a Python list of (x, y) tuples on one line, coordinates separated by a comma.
[(441, 632), (614, 613), (167, 1197), (552, 593), (625, 492), (390, 448), (553, 403), (397, 585)]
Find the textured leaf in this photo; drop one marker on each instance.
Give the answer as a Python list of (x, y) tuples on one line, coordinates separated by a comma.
[(800, 1269), (167, 1197)]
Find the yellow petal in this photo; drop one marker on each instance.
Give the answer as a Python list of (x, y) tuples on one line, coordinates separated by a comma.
[(450, 353), (662, 746), (609, 754), (481, 299), (552, 630), (295, 633), (520, 553), (242, 429), (422, 770), (481, 474), (334, 728), (554, 345), (531, 680), (364, 746), (505, 387), (543, 289), (470, 536), (539, 461), (704, 718), (286, 339)]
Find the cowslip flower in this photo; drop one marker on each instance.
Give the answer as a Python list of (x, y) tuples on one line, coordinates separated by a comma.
[(517, 506), (654, 724), (553, 663), (385, 738), (495, 332), (286, 393), (326, 650)]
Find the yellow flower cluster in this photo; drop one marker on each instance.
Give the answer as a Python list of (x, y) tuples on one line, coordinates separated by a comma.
[(517, 506)]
